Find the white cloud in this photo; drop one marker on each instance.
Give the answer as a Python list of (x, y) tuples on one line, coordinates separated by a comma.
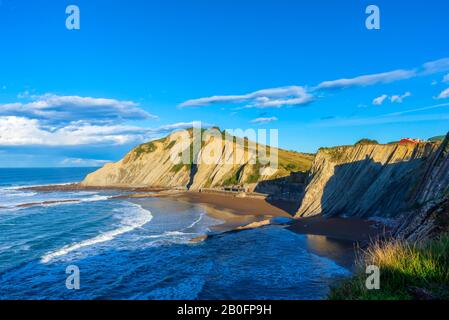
[(367, 80), (405, 116), (396, 98), (298, 95), (74, 162), (65, 109), (446, 78), (400, 98), (379, 100), (436, 66), (20, 131), (23, 95), (266, 98), (263, 120), (382, 120), (444, 94), (23, 131), (427, 68)]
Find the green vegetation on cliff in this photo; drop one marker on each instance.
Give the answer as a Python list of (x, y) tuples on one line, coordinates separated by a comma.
[(437, 138), (145, 148), (407, 271), (366, 141)]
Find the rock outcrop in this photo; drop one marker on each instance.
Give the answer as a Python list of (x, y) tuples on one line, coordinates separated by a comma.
[(369, 180), (431, 215), (234, 163)]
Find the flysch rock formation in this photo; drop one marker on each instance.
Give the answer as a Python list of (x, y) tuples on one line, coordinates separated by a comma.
[(407, 183), (430, 216), (367, 180), (218, 162)]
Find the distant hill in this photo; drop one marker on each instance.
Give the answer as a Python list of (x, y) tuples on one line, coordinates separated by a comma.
[(437, 138)]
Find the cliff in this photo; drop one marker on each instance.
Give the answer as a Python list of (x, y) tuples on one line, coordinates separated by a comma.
[(430, 217), (235, 162), (370, 179)]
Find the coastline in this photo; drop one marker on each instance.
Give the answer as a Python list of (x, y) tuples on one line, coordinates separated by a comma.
[(332, 238), (239, 213)]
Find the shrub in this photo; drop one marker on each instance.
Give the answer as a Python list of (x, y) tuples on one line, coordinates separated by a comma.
[(403, 268), (366, 141), (145, 148)]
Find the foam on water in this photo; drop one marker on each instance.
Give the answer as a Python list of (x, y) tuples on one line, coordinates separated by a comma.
[(139, 218), (126, 251), (15, 198)]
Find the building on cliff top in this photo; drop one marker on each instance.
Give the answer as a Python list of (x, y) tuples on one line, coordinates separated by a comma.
[(410, 140)]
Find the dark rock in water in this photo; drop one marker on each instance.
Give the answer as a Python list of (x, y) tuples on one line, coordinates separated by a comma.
[(281, 220)]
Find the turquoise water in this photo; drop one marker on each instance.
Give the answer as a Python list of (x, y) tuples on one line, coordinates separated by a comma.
[(141, 249)]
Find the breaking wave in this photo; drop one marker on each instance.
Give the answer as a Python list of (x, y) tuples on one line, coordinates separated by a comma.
[(140, 218)]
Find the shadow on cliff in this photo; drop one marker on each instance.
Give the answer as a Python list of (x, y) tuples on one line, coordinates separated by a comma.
[(193, 171), (367, 188), (284, 193)]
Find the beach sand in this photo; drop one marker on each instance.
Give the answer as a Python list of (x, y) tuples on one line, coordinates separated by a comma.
[(235, 212), (335, 239), (351, 229), (238, 212)]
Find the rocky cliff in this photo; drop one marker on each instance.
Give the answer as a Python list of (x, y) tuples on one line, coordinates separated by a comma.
[(233, 162), (370, 179), (430, 216)]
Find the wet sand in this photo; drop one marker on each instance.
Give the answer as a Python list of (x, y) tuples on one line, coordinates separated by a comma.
[(235, 210), (236, 205), (240, 214), (352, 229)]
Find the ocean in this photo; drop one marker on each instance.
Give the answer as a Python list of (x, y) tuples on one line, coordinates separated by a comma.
[(140, 249)]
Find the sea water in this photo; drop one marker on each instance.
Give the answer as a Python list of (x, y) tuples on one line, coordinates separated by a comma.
[(141, 248)]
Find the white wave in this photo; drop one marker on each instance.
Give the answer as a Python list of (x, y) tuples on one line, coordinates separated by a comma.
[(8, 193), (128, 224), (41, 202), (95, 198), (194, 223), (168, 234), (36, 186)]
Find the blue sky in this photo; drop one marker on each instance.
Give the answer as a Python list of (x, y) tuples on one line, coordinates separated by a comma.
[(139, 69)]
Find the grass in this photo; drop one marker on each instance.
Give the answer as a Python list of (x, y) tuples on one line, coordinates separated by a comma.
[(145, 148), (404, 270), (437, 138), (337, 154), (255, 175), (366, 141), (234, 179), (295, 161), (177, 167), (170, 145)]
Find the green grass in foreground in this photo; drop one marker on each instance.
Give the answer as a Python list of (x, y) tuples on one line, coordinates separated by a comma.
[(405, 269)]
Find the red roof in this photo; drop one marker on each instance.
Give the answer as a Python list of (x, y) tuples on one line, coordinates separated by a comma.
[(409, 140)]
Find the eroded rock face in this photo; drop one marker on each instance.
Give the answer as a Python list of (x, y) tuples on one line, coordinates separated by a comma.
[(373, 180), (154, 165), (431, 217)]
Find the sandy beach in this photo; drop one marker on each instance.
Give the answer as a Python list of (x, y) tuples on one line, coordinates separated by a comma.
[(241, 211)]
